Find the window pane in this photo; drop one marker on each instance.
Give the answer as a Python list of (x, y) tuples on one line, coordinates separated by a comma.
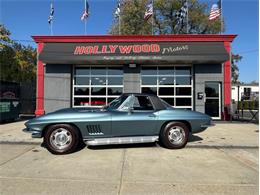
[(81, 91), (81, 71), (183, 101), (149, 81), (212, 89), (166, 71), (183, 80), (81, 80), (212, 107), (169, 91), (98, 91), (142, 103), (183, 90), (169, 101), (115, 71), (98, 80), (115, 80), (149, 71), (98, 101), (149, 90), (81, 101), (98, 71), (115, 90), (183, 71), (166, 81), (110, 100)]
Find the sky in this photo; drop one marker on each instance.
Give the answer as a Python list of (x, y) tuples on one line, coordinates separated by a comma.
[(24, 18)]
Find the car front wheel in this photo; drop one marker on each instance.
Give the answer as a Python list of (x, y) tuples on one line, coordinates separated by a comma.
[(174, 135), (61, 139)]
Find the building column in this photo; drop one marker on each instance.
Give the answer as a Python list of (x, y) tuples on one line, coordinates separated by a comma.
[(132, 79), (40, 83), (227, 82)]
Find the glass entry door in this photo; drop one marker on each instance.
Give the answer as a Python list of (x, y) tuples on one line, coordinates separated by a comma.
[(213, 99)]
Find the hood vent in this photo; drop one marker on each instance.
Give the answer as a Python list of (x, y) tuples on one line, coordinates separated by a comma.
[(94, 130)]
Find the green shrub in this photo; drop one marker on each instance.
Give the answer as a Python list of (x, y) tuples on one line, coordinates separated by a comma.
[(248, 105)]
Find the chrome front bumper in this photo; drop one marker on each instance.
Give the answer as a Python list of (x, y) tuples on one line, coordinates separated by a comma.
[(35, 134), (208, 125)]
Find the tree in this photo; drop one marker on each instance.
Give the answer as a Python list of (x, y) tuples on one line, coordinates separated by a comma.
[(17, 62), (164, 19), (235, 58)]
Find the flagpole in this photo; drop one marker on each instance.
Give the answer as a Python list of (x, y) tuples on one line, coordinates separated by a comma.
[(51, 29), (187, 22), (152, 18), (85, 22), (119, 23), (221, 19)]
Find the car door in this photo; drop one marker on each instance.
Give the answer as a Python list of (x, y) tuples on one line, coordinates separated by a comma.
[(137, 119)]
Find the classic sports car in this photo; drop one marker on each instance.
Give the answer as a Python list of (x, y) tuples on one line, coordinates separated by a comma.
[(131, 118)]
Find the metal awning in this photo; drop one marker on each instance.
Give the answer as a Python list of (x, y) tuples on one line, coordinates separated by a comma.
[(139, 53)]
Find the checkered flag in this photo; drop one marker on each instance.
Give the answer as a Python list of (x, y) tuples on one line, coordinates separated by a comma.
[(181, 14)]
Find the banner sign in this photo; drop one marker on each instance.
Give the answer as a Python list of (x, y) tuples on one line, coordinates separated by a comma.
[(97, 53)]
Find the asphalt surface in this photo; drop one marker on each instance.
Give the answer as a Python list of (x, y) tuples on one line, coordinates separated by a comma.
[(221, 160)]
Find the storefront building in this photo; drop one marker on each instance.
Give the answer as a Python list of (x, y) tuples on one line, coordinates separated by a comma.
[(188, 71)]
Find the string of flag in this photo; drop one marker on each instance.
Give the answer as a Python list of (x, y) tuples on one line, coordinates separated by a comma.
[(117, 11), (149, 10), (50, 19), (180, 15), (215, 11), (51, 16), (85, 14)]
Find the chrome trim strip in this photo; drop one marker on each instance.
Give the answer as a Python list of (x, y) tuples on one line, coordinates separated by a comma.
[(122, 140), (208, 125)]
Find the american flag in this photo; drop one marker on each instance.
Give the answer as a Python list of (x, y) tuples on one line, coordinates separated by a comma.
[(215, 12), (86, 11), (149, 10)]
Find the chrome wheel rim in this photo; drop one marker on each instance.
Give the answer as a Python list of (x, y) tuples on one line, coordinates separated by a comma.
[(176, 135), (60, 139)]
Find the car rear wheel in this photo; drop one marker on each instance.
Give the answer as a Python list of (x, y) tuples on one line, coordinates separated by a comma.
[(174, 135), (61, 139)]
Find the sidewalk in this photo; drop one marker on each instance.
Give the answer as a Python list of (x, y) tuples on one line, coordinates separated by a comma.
[(12, 133), (221, 160)]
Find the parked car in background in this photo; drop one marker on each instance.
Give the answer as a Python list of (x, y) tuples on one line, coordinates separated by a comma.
[(131, 118)]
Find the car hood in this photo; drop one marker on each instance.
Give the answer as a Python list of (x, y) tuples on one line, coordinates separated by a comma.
[(70, 114)]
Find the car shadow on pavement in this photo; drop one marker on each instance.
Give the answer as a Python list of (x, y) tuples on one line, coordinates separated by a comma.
[(194, 138), (123, 146), (82, 145)]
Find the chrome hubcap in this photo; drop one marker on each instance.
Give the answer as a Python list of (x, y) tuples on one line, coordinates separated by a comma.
[(176, 135), (60, 138)]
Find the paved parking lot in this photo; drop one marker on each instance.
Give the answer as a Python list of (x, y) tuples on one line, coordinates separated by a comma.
[(221, 160)]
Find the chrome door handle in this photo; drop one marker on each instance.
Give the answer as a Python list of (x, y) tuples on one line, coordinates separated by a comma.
[(152, 115)]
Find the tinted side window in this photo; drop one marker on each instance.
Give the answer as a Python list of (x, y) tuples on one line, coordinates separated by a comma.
[(142, 103)]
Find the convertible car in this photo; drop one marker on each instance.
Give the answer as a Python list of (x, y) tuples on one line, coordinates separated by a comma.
[(131, 118)]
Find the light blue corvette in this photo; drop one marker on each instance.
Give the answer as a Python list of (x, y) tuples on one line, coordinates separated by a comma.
[(131, 118)]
